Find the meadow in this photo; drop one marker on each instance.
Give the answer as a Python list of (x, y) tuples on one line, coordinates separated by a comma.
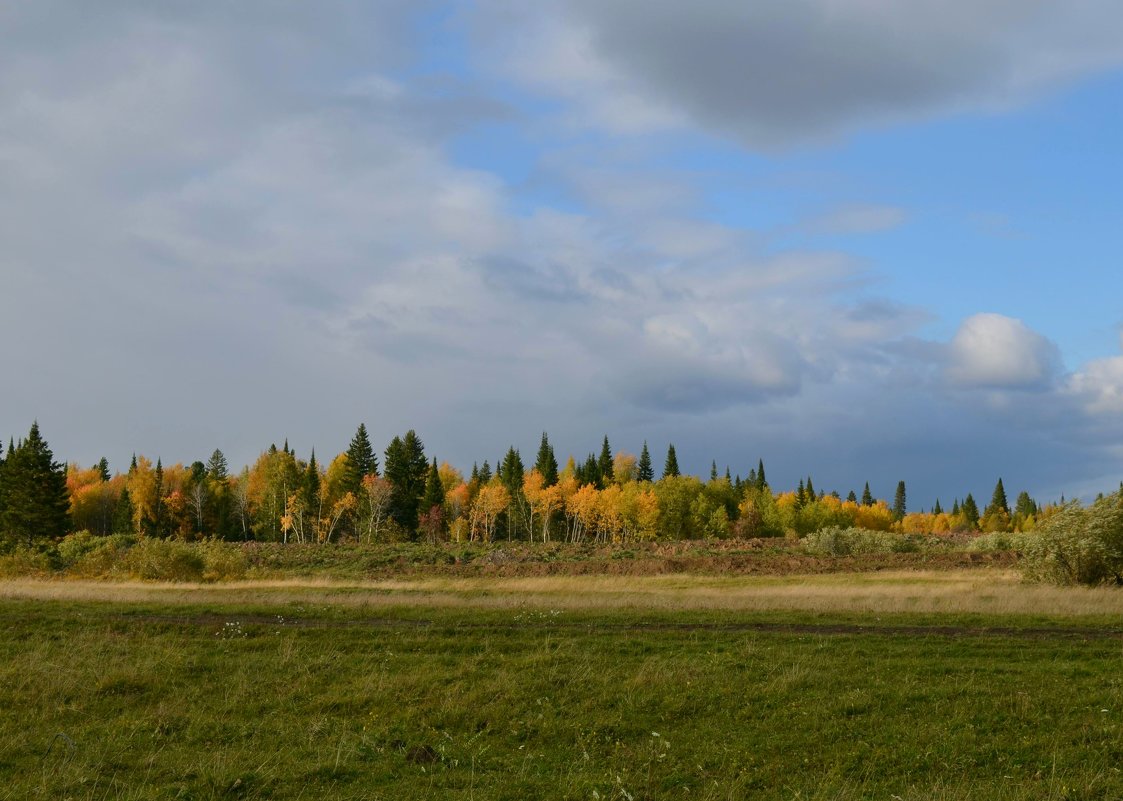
[(911, 684)]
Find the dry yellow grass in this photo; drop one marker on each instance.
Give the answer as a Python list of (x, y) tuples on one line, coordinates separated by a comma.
[(988, 592)]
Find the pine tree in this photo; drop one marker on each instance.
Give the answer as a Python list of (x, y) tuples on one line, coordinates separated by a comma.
[(511, 471), (867, 496), (800, 496), (485, 473), (123, 514), (955, 507), (970, 511), (937, 509), (670, 467), (406, 469), (810, 489), (761, 481), (361, 461), (1025, 506), (752, 476), (852, 497), (646, 473), (547, 463), (605, 469), (590, 472), (899, 505), (103, 469), (310, 487), (434, 490), (713, 470), (36, 500), (998, 500)]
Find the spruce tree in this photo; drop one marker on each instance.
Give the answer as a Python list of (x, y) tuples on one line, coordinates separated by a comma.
[(590, 472), (899, 504), (434, 490), (511, 471), (810, 489), (1025, 506), (123, 514), (955, 507), (605, 469), (361, 461), (670, 467), (406, 469), (485, 473), (310, 488), (998, 499), (867, 496), (36, 498), (547, 463), (217, 467), (761, 481), (103, 469), (970, 511), (937, 509), (800, 496), (646, 473), (852, 497)]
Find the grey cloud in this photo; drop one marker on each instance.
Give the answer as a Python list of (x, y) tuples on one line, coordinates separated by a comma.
[(778, 72)]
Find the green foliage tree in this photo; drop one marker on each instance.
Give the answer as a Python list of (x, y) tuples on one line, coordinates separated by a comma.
[(670, 466), (605, 469), (761, 481), (123, 514), (361, 461), (547, 463), (867, 496), (36, 503), (970, 511), (434, 495), (406, 470), (645, 471), (998, 499), (900, 506), (103, 469)]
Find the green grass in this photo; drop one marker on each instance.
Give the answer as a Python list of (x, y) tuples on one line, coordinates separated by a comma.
[(287, 700)]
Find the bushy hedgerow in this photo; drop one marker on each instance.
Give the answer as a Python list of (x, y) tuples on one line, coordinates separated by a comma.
[(1078, 545), (1000, 541)]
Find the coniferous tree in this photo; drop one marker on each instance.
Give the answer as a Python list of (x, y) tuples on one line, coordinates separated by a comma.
[(123, 514), (645, 471), (547, 463), (955, 507), (670, 467), (752, 477), (36, 500), (605, 469), (589, 472), (434, 490), (998, 499), (406, 469), (899, 503), (103, 469), (867, 496), (217, 467), (852, 497), (1025, 506), (810, 489), (485, 473), (511, 471), (970, 511), (800, 496), (761, 481), (154, 525), (937, 509), (713, 470), (361, 461)]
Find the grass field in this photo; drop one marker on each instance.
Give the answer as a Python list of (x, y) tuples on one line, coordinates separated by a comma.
[(947, 685)]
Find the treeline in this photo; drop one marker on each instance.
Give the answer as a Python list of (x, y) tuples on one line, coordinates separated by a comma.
[(607, 497)]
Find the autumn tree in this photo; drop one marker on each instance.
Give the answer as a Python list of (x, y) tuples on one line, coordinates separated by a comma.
[(36, 503)]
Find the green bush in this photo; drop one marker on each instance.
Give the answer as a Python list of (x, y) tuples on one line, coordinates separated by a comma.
[(164, 560), (91, 555), (222, 561), (1000, 541), (24, 561), (837, 541), (1078, 545)]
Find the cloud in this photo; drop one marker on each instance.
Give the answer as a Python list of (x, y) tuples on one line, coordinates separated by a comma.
[(857, 219), (998, 352), (775, 73)]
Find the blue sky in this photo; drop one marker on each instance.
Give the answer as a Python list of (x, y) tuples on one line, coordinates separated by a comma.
[(859, 240)]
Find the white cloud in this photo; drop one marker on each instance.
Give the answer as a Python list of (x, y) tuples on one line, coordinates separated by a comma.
[(999, 352)]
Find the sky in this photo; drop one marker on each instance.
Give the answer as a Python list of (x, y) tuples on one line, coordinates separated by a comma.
[(863, 240)]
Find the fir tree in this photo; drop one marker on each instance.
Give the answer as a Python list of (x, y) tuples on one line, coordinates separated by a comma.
[(217, 468), (406, 469), (955, 507), (123, 514), (800, 496), (713, 470), (1025, 506), (36, 500), (547, 463), (852, 497), (937, 509), (998, 500), (970, 511), (752, 476), (646, 473), (511, 471), (899, 503), (361, 461), (485, 473), (103, 469), (761, 481), (606, 471), (590, 472), (310, 488), (867, 496), (810, 489), (434, 491), (670, 467)]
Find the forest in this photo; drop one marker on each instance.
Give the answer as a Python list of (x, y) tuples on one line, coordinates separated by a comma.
[(610, 497)]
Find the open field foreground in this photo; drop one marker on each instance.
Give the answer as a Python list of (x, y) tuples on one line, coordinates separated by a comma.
[(913, 685)]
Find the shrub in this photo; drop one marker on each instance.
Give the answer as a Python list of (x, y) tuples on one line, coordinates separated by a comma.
[(222, 561), (86, 554), (25, 561), (1078, 545), (164, 560), (999, 541), (837, 541)]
